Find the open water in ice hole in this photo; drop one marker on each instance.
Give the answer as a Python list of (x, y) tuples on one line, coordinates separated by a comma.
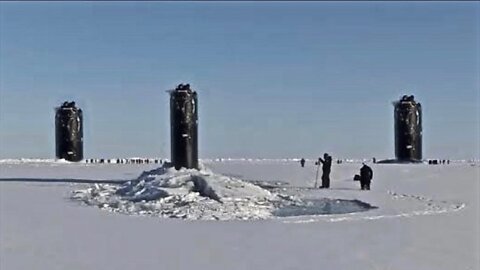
[(322, 207)]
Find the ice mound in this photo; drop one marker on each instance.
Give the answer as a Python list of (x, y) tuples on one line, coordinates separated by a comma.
[(204, 195), (186, 193)]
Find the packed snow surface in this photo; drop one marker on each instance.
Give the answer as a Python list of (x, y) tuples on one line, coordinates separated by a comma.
[(420, 216)]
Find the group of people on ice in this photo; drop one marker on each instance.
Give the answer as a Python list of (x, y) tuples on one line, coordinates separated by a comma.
[(365, 177)]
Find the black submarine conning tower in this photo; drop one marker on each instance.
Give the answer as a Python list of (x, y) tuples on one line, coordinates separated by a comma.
[(408, 129), (184, 127), (69, 132)]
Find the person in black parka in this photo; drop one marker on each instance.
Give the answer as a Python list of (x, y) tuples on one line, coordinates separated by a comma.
[(326, 167), (302, 162), (366, 175)]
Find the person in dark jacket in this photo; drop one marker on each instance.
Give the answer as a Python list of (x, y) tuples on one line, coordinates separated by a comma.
[(366, 175), (326, 167), (302, 162)]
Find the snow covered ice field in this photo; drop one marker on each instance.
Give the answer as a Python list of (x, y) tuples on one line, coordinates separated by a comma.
[(425, 217)]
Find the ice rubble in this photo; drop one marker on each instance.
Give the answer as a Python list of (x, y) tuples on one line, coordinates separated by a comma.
[(203, 195), (186, 193)]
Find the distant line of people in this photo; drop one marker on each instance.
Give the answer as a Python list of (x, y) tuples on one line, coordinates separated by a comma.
[(125, 161), (438, 161), (364, 177)]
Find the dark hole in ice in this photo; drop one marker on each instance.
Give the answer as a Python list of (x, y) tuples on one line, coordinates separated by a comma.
[(322, 207), (268, 184)]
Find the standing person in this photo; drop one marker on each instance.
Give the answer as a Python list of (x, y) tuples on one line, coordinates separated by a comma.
[(326, 167), (366, 175), (302, 162)]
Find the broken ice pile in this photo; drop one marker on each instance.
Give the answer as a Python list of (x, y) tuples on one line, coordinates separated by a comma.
[(186, 193)]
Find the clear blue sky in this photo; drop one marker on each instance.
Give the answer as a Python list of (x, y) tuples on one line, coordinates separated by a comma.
[(275, 79)]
